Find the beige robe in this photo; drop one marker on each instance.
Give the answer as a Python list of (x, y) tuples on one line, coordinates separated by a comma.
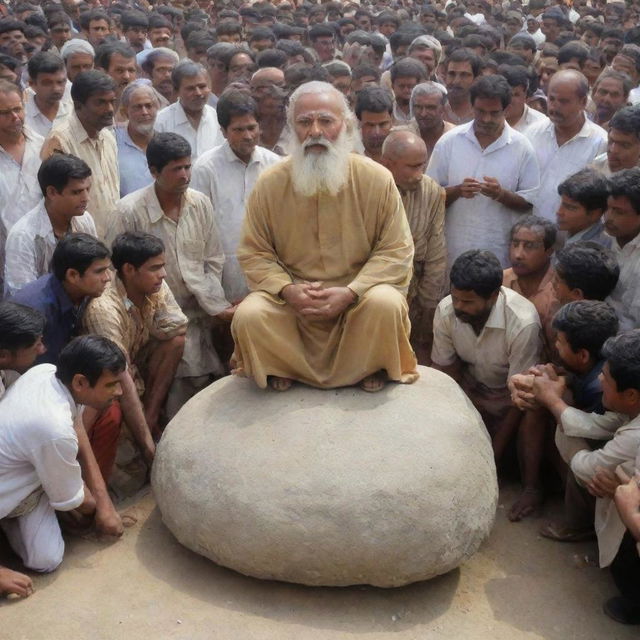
[(360, 239)]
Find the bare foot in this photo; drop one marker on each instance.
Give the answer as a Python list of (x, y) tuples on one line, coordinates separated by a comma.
[(12, 582), (373, 383), (280, 384), (528, 503)]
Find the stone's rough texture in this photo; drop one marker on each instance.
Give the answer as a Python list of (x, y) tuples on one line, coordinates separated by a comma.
[(332, 487)]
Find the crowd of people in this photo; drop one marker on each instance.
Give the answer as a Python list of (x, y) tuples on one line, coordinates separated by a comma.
[(326, 194)]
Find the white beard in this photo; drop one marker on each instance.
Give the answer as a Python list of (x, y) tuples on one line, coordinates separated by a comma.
[(143, 129), (314, 172)]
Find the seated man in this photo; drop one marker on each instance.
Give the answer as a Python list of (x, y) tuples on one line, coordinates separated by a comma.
[(65, 182), (327, 253), (583, 201), (405, 155), (483, 333), (139, 313), (40, 431), (584, 271)]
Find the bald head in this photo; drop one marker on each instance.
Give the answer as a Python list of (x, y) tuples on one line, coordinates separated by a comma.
[(267, 76), (571, 79), (405, 155), (566, 100)]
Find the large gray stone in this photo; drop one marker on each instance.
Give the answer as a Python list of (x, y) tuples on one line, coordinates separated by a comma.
[(332, 487)]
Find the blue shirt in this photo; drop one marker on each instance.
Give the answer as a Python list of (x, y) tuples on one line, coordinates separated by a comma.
[(132, 163), (587, 390), (47, 295)]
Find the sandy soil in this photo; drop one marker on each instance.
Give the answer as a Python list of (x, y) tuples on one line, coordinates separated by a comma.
[(146, 586)]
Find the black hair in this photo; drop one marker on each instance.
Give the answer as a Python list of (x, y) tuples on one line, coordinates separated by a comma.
[(157, 21), (627, 120), (623, 357), (626, 183), (571, 50), (587, 187), (186, 69), (107, 50), (543, 226), (525, 40), (228, 28), (477, 271), (76, 251), (234, 103), (465, 55), (58, 169), (44, 62), (262, 33), (94, 14), (135, 248), (9, 24), (165, 147), (494, 86), (408, 68), (362, 70), (587, 324), (631, 51), (88, 83), (589, 267), (20, 326), (134, 20), (374, 99), (321, 31), (89, 356), (272, 58)]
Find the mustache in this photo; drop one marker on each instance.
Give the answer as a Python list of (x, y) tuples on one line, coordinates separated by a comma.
[(320, 140)]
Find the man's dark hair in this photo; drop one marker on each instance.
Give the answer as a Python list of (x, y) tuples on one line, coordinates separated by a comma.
[(540, 225), (88, 83), (402, 38), (631, 51), (58, 17), (595, 27), (107, 50), (589, 267), (516, 76), (374, 99), (58, 169), (524, 40), (477, 271), (228, 28), (134, 20), (573, 50), (262, 33), (157, 21), (76, 251), (587, 324), (20, 326), (465, 55), (9, 24), (186, 69), (135, 248), (491, 87), (234, 103), (166, 147), (626, 183), (588, 187), (299, 73), (321, 31), (200, 39), (622, 353), (89, 356), (627, 120), (613, 32), (363, 70), (272, 58), (408, 68), (94, 14), (45, 62)]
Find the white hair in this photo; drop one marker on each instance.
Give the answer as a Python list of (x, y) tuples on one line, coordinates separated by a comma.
[(76, 46), (141, 84), (318, 87)]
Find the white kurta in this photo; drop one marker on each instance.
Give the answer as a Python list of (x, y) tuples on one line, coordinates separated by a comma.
[(228, 182), (37, 121), (529, 118), (625, 298), (480, 222)]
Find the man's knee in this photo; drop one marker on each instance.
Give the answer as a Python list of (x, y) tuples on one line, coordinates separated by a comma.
[(254, 309), (383, 299), (47, 557)]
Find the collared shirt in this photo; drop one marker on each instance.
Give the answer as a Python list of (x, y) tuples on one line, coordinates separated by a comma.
[(594, 233), (37, 121), (509, 342), (557, 163), (47, 295), (587, 390), (132, 163), (625, 298), (19, 188), (399, 116), (228, 182), (529, 118), (623, 446), (194, 259), (101, 154), (31, 243), (205, 137), (481, 222), (601, 164), (38, 443), (114, 316)]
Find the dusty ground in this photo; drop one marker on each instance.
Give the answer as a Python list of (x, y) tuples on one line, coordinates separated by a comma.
[(147, 586)]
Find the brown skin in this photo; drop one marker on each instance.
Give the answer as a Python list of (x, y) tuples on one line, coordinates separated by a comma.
[(565, 105), (622, 221), (49, 90), (12, 138), (623, 150), (62, 206), (374, 129), (77, 63), (573, 217)]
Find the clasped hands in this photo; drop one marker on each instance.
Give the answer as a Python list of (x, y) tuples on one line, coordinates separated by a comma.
[(312, 300), (471, 187), (538, 386)]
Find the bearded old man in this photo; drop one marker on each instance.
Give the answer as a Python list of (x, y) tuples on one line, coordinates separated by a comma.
[(327, 253)]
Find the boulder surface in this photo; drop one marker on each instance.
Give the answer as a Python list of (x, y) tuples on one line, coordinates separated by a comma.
[(329, 487)]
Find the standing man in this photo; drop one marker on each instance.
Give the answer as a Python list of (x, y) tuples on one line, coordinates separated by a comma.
[(623, 142), (461, 68), (139, 104), (96, 26), (134, 29), (85, 134), (159, 65), (78, 56), (374, 111), (191, 116), (118, 61), (497, 180), (567, 142), (227, 175), (428, 107), (405, 155), (610, 94), (405, 75), (520, 116), (346, 268)]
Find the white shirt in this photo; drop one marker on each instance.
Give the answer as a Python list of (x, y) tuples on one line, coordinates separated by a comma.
[(37, 121), (30, 246), (634, 95), (38, 444), (228, 182), (558, 163), (208, 135), (625, 298), (529, 117), (19, 188), (480, 222)]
